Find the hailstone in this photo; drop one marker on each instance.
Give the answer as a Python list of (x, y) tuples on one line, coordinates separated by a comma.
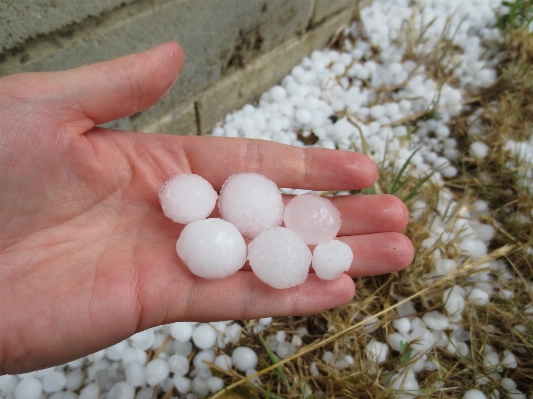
[(331, 259), (187, 197), (279, 257), (314, 218), (252, 202), (211, 248)]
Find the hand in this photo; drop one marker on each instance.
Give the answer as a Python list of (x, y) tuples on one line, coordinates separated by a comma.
[(87, 257)]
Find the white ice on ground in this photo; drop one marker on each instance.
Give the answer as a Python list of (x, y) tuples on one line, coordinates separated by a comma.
[(331, 259), (314, 218), (244, 358), (211, 248), (187, 197), (252, 202), (279, 257)]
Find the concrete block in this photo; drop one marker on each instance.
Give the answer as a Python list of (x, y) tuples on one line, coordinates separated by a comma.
[(21, 20), (326, 8)]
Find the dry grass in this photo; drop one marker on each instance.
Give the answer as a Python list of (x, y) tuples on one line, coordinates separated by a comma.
[(507, 113)]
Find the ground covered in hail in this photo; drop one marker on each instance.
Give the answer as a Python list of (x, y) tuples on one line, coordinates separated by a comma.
[(438, 93)]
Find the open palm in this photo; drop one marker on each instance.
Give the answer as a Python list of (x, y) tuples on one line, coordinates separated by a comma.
[(87, 257)]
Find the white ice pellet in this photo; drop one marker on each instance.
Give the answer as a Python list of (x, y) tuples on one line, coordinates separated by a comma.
[(182, 384), (474, 248), (303, 116), (200, 386), (211, 248), (8, 383), (187, 197), (178, 364), (376, 351), (28, 388), (314, 218), (201, 357), (285, 349), (224, 362), (454, 300), (204, 336), (74, 379), (135, 374), (343, 129), (406, 382), (508, 384), (90, 391), (143, 340), (444, 267), (244, 358), (181, 331), (215, 384), (265, 321), (331, 259), (116, 351), (252, 202), (474, 394), (279, 257), (156, 371), (121, 390), (509, 360), (435, 320), (479, 296), (54, 381)]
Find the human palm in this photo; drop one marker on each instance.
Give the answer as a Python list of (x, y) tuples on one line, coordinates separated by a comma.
[(87, 257)]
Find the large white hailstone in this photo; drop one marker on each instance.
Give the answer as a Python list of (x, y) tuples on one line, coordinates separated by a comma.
[(121, 390), (436, 320), (204, 336), (54, 381), (252, 202), (244, 358), (211, 248), (331, 259), (187, 197), (314, 218), (474, 394), (156, 371), (377, 351), (181, 331), (28, 388), (279, 257), (178, 364)]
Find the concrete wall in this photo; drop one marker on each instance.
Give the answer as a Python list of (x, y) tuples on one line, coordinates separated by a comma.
[(235, 49)]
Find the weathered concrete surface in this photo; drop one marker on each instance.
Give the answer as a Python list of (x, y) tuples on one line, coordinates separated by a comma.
[(21, 20)]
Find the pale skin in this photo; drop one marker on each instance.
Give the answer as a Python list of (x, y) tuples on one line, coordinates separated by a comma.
[(87, 257)]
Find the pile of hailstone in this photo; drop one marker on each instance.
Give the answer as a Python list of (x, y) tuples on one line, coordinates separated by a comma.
[(375, 82), (251, 206)]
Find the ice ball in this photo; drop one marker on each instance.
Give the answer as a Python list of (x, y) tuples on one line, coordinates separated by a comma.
[(279, 257), (331, 259), (314, 218), (187, 197), (204, 336), (252, 202), (244, 358), (211, 248)]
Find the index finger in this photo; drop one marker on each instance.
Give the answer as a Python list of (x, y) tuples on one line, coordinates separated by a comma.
[(217, 158)]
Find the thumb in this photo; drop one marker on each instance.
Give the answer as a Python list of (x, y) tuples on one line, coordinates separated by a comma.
[(102, 92)]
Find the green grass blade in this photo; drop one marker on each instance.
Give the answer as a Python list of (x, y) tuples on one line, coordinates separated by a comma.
[(395, 184), (274, 359)]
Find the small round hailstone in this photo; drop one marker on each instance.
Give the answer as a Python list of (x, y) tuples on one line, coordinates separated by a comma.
[(121, 390), (28, 388), (204, 336), (377, 351), (181, 331), (436, 320), (54, 381), (244, 358), (211, 248), (224, 362), (314, 218), (135, 374), (479, 149), (156, 371), (331, 259), (303, 116), (187, 197), (279, 257), (402, 325), (252, 202), (215, 384), (178, 364), (474, 394), (182, 384)]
